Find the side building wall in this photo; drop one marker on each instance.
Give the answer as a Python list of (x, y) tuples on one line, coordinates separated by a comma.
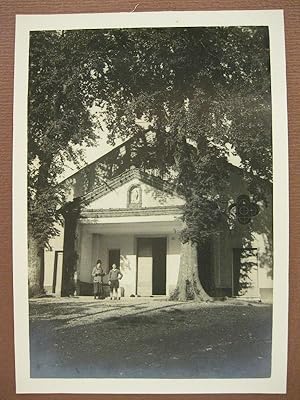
[(258, 236), (255, 240)]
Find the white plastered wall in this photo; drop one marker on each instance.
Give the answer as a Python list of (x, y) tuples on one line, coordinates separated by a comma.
[(173, 262), (265, 275), (151, 197)]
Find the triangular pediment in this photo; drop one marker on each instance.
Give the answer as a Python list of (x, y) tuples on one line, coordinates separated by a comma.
[(133, 189)]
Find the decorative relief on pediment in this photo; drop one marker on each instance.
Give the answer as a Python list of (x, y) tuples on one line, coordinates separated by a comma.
[(134, 196)]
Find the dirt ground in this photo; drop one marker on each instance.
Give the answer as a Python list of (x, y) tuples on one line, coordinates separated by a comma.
[(149, 338)]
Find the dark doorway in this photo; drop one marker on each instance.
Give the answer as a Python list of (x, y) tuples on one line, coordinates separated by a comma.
[(114, 257), (151, 268), (159, 251)]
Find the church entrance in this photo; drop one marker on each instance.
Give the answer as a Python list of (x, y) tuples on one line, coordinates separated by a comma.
[(151, 266)]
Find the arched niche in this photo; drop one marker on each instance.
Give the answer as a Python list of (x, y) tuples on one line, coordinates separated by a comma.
[(134, 196)]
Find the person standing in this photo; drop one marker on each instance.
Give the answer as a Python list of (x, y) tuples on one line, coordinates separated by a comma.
[(97, 275), (114, 276)]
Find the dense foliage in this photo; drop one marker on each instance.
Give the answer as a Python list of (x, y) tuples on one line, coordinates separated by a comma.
[(203, 92)]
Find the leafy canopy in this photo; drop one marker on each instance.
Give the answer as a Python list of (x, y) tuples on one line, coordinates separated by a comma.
[(203, 92)]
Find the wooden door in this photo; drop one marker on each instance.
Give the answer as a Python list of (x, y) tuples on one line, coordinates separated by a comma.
[(159, 252)]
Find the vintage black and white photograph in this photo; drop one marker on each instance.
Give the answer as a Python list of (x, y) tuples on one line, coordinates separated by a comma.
[(150, 203)]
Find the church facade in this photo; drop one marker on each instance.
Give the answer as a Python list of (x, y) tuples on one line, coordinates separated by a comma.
[(134, 220)]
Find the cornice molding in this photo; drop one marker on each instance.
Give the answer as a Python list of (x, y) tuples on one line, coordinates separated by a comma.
[(121, 212)]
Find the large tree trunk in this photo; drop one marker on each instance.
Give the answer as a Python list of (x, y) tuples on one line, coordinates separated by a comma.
[(35, 266), (188, 284), (70, 213)]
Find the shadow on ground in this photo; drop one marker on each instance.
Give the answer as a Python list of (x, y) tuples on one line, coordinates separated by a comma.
[(148, 339)]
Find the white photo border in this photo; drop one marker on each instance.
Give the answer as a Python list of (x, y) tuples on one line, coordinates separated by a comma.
[(275, 21)]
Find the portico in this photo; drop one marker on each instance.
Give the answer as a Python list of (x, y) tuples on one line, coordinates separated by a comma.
[(146, 248)]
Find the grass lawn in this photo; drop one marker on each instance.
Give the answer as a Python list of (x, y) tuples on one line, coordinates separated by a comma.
[(149, 338)]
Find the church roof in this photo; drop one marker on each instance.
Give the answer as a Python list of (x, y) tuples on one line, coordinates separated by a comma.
[(111, 153)]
